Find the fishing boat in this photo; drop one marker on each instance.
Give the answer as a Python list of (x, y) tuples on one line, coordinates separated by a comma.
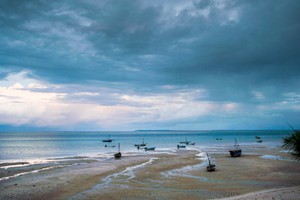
[(181, 146), (119, 154), (109, 145), (259, 141), (149, 148), (210, 167), (186, 142), (257, 137), (143, 144), (236, 151), (107, 140)]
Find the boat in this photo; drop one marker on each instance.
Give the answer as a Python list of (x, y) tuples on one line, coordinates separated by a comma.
[(107, 140), (210, 167), (181, 146), (143, 144), (236, 151), (259, 141), (257, 137), (187, 142), (184, 142), (191, 143), (119, 154), (141, 147), (109, 145), (149, 148)]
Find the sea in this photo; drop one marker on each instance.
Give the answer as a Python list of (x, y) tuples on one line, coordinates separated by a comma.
[(27, 146)]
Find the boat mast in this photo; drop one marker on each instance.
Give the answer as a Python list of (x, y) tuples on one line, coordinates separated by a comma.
[(236, 145), (208, 158)]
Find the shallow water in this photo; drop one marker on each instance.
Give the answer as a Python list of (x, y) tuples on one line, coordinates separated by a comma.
[(17, 146)]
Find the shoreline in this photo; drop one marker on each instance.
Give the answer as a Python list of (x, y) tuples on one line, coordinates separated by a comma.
[(158, 175)]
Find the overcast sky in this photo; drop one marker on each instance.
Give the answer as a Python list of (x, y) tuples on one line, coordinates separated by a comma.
[(139, 64)]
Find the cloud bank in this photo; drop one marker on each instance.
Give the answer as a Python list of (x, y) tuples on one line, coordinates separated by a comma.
[(119, 65)]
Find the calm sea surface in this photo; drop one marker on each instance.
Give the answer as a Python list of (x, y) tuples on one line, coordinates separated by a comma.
[(16, 146)]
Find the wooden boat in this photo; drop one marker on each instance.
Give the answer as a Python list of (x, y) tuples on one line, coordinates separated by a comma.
[(149, 148), (181, 146), (187, 142), (236, 151), (259, 141), (257, 137), (119, 154), (109, 145), (210, 167), (107, 140), (141, 147), (191, 143), (143, 144)]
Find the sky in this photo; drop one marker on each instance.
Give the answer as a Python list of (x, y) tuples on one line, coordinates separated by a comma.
[(139, 64)]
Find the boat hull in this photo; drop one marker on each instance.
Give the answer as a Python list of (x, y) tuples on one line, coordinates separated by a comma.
[(181, 147), (118, 155), (140, 145), (211, 168), (150, 149), (235, 153)]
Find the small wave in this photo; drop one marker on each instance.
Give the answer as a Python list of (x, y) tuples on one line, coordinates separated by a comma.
[(284, 151), (273, 157)]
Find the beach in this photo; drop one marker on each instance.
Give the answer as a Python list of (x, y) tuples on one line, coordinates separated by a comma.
[(176, 174)]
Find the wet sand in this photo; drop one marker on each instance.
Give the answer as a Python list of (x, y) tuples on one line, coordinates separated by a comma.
[(178, 175)]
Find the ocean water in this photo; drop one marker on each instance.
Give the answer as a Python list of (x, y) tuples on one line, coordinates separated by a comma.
[(25, 146)]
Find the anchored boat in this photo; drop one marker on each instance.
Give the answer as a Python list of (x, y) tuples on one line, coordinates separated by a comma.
[(149, 148), (210, 167), (236, 151), (107, 140), (186, 142), (181, 146), (143, 144), (119, 154)]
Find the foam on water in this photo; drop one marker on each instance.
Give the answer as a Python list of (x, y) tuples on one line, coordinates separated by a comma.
[(273, 157)]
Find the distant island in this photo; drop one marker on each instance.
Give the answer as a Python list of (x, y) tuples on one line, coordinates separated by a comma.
[(170, 130)]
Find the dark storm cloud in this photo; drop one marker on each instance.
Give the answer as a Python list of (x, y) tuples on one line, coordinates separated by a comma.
[(124, 40)]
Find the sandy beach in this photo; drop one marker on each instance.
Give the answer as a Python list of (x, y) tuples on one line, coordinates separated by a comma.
[(160, 175)]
